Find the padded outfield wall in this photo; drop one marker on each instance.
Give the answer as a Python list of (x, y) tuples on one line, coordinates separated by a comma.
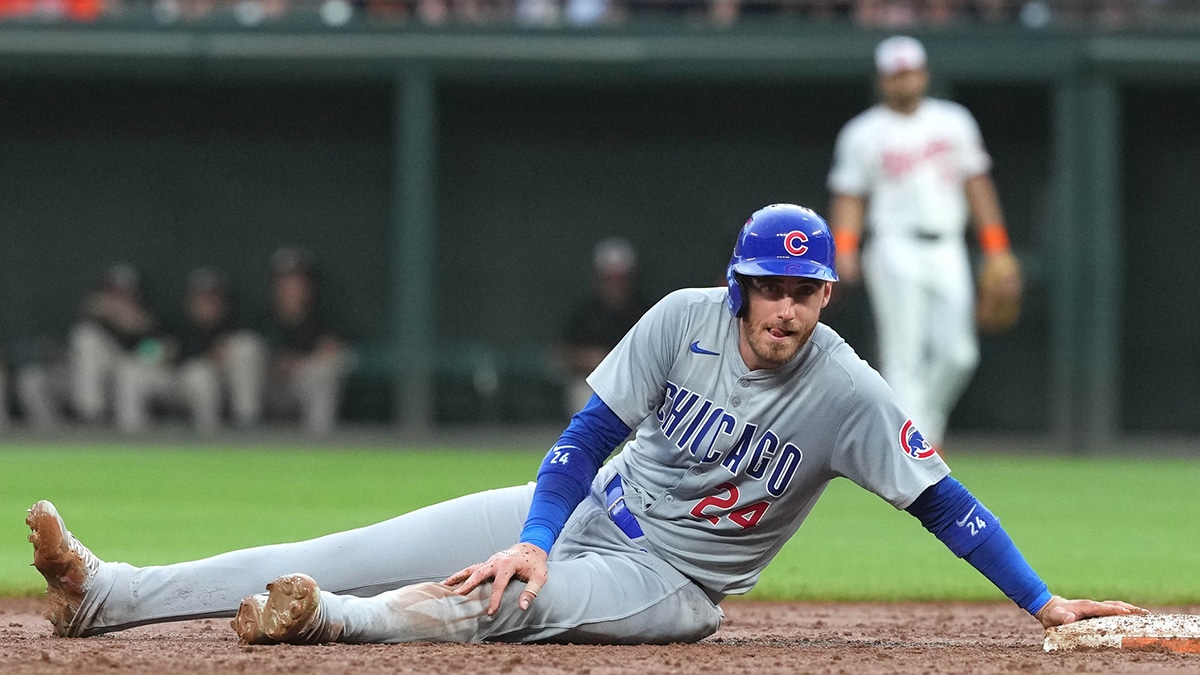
[(452, 183)]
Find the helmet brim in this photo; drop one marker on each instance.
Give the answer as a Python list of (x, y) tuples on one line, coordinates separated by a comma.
[(784, 267)]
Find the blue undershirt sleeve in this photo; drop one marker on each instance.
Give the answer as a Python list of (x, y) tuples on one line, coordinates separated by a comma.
[(567, 471), (971, 532)]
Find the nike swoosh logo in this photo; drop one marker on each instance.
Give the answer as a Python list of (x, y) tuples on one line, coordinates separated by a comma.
[(697, 349), (962, 522)]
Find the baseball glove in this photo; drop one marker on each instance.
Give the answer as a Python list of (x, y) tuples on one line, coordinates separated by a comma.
[(998, 293)]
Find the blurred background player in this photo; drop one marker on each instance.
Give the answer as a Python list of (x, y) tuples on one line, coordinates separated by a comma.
[(306, 362), (115, 328), (914, 168), (206, 358), (601, 319)]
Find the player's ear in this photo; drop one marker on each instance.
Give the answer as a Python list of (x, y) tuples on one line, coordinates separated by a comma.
[(828, 291)]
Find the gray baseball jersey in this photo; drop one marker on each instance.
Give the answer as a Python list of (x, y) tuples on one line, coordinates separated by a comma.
[(726, 462)]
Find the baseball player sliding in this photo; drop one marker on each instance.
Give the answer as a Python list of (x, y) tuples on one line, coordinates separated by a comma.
[(913, 167), (743, 407)]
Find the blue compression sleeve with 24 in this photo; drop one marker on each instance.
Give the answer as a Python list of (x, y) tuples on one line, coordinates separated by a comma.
[(567, 471), (970, 531)]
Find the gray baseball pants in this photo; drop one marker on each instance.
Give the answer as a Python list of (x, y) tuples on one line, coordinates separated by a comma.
[(380, 581)]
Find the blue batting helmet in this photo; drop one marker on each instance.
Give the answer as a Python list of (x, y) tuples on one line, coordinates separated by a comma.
[(780, 240)]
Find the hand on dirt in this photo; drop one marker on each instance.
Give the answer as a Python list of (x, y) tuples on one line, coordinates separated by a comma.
[(525, 562), (1061, 611)]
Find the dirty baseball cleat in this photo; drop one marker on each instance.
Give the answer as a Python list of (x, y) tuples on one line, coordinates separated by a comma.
[(290, 612), (69, 567), (248, 622)]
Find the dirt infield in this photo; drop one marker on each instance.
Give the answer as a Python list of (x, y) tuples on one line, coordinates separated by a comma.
[(757, 637)]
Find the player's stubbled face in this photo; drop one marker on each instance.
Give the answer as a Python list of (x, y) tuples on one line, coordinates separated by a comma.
[(782, 314)]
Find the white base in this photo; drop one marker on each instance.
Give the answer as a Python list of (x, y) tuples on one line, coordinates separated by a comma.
[(1125, 632)]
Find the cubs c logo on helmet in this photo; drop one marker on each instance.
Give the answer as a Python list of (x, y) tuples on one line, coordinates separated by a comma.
[(794, 242), (913, 443)]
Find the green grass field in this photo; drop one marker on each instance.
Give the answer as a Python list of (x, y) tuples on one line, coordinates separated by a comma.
[(1107, 527)]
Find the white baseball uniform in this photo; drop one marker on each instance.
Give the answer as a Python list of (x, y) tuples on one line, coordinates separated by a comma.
[(725, 465), (911, 169)]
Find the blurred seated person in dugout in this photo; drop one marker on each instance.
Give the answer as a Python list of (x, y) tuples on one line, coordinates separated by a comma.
[(208, 358), (115, 328), (599, 322), (306, 362), (42, 380)]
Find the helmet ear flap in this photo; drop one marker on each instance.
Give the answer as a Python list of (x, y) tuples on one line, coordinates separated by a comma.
[(737, 298)]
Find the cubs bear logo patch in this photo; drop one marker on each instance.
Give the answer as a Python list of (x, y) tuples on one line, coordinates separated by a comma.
[(913, 443)]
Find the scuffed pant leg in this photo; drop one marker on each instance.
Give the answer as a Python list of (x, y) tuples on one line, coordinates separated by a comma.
[(425, 545), (432, 612), (601, 589)]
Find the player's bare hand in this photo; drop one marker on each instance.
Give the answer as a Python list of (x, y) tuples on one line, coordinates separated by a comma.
[(524, 562), (1061, 611)]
